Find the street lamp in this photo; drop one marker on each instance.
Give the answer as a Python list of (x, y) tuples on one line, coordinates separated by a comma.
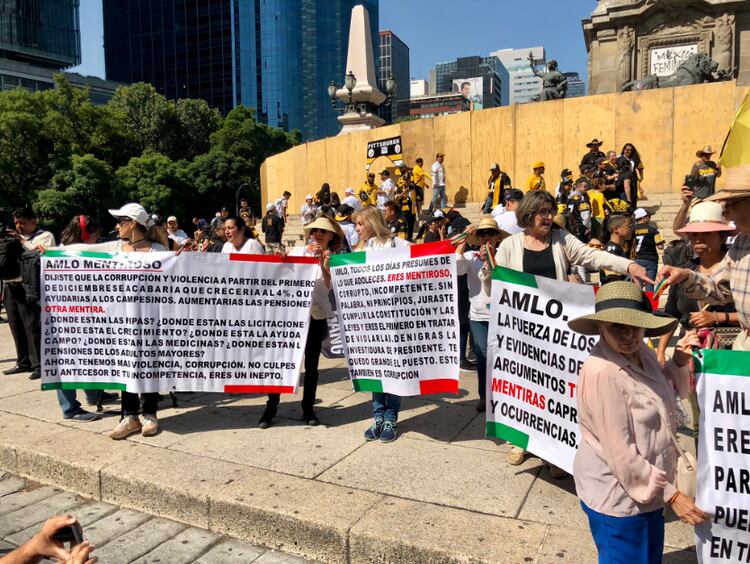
[(350, 81)]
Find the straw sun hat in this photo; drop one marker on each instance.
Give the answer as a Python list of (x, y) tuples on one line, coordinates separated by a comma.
[(626, 304), (325, 223), (486, 222), (706, 217)]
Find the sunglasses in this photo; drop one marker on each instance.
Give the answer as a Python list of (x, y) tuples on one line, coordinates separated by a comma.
[(486, 232), (315, 230), (123, 220)]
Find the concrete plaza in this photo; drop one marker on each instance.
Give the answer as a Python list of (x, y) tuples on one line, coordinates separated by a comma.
[(440, 493)]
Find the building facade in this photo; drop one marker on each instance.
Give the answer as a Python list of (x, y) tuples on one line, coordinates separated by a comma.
[(276, 56), (522, 85), (630, 39), (434, 105), (478, 78), (394, 61), (43, 32)]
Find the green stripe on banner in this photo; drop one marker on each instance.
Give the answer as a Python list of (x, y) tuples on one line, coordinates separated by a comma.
[(726, 363), (86, 254), (514, 277), (367, 385), (84, 386), (359, 257), (513, 436)]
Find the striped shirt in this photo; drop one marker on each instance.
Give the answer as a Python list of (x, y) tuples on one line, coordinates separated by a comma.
[(730, 281)]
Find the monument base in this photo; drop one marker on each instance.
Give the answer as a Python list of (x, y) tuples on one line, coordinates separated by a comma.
[(354, 121)]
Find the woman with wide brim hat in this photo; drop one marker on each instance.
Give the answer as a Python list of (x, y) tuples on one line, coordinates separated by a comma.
[(626, 463), (477, 265), (324, 237), (730, 281)]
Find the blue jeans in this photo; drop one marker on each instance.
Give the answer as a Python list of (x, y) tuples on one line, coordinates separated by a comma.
[(487, 208), (638, 539), (479, 330), (69, 403), (385, 406), (438, 195), (652, 268)]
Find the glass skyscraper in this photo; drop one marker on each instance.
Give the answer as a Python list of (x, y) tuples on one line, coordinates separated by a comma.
[(276, 56), (45, 33)]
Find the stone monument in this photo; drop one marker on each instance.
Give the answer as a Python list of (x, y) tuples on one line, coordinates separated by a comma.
[(630, 40), (361, 102), (554, 83)]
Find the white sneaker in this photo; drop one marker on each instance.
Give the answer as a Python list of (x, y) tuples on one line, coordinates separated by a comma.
[(150, 426), (126, 427)]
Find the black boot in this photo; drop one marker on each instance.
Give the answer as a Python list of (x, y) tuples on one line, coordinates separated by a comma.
[(309, 418), (266, 419)]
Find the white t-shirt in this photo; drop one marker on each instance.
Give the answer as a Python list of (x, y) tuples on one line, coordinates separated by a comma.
[(479, 300), (353, 202), (110, 247), (321, 302), (386, 188), (374, 243), (179, 236), (508, 222), (250, 247), (281, 204), (438, 174)]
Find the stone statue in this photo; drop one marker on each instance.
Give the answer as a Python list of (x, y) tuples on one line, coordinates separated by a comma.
[(698, 68), (722, 52), (625, 44), (554, 83)]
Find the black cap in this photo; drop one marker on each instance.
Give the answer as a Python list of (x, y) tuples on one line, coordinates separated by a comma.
[(513, 194)]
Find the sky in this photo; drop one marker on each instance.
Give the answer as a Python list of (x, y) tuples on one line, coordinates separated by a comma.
[(436, 30)]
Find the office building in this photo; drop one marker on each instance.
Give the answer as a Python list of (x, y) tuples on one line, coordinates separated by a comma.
[(419, 88), (477, 78), (394, 60), (576, 87), (276, 56), (434, 105), (523, 85)]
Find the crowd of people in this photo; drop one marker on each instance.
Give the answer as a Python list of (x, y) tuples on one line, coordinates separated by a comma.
[(591, 225)]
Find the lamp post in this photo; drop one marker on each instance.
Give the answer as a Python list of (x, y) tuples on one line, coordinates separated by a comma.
[(350, 106)]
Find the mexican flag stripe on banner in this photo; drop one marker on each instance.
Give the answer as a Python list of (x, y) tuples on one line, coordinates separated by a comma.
[(398, 314), (533, 361), (723, 385), (157, 322)]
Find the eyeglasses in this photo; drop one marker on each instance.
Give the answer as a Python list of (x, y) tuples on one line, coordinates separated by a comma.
[(545, 212), (486, 232)]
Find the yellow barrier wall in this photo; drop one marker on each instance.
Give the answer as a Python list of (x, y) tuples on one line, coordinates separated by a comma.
[(667, 126)]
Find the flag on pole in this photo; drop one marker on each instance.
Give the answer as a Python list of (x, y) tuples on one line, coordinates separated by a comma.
[(736, 149)]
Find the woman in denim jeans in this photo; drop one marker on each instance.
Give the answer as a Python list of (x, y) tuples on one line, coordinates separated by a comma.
[(374, 234)]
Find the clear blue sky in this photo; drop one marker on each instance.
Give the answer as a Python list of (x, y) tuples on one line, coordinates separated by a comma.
[(438, 30)]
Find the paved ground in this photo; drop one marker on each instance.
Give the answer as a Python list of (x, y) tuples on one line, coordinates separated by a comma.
[(440, 493), (120, 535)]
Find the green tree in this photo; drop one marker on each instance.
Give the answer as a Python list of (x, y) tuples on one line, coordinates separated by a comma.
[(157, 183), (196, 121), (55, 208), (146, 115)]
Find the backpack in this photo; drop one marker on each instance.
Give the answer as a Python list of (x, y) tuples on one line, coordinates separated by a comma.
[(30, 267), (10, 252), (678, 253)]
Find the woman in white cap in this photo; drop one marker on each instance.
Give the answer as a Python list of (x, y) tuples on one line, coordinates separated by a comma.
[(135, 234), (308, 210), (351, 200), (324, 237), (625, 468)]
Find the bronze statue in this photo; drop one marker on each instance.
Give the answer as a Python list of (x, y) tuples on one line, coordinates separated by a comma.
[(554, 83), (697, 69)]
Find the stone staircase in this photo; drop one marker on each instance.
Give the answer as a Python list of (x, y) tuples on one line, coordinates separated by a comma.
[(663, 208)]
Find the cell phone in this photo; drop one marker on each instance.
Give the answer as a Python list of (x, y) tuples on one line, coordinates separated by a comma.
[(690, 181), (72, 534)]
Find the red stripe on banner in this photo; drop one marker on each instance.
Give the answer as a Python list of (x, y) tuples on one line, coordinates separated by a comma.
[(440, 386), (258, 389), (436, 248), (273, 258)]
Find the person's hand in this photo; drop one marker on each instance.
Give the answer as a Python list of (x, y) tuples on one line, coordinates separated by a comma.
[(699, 319), (683, 350), (673, 274), (596, 244), (44, 542), (81, 554), (325, 260), (279, 252), (684, 507), (639, 274), (483, 254), (687, 194)]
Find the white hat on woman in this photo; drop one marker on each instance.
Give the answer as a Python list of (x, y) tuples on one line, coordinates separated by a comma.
[(136, 212)]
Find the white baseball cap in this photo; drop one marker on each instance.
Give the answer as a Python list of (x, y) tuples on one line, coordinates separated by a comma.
[(171, 218), (136, 212), (269, 207), (349, 191), (438, 214), (640, 213), (309, 197)]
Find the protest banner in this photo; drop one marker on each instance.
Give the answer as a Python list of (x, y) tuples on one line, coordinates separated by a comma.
[(333, 347), (399, 317), (533, 361), (140, 322), (723, 455)]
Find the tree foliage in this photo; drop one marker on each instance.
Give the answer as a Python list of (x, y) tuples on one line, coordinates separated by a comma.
[(64, 155)]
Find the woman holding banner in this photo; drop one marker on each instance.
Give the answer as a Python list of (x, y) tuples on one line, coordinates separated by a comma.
[(135, 234), (544, 249), (626, 464), (324, 237), (374, 234)]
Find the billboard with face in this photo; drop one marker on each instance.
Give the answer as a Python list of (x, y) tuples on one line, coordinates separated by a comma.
[(472, 90)]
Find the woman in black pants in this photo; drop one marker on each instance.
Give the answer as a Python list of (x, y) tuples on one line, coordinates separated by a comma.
[(324, 237)]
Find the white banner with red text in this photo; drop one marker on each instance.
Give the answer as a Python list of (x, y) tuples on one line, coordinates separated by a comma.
[(156, 322)]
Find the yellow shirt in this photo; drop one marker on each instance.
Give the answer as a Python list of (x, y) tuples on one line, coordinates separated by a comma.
[(597, 203), (372, 194), (418, 175), (535, 183)]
